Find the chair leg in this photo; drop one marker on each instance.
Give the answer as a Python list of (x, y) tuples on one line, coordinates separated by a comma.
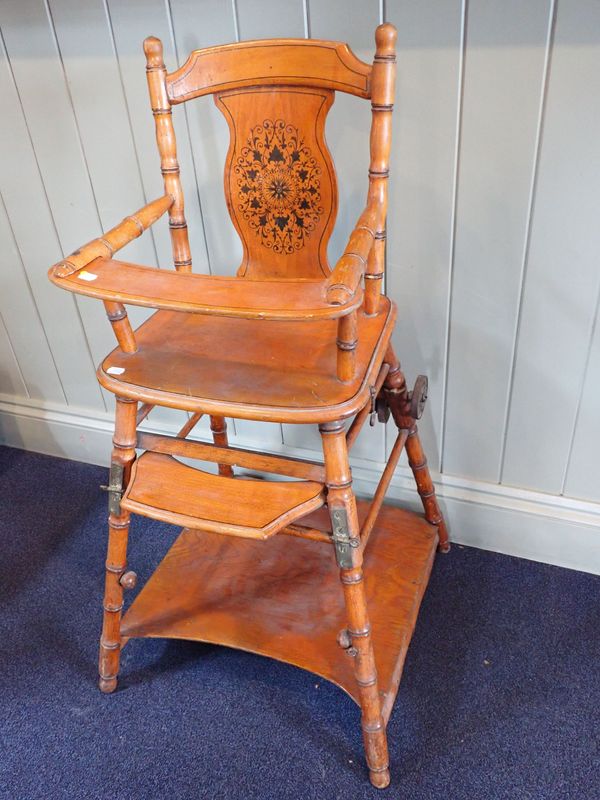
[(418, 465), (123, 455), (342, 508), (218, 426), (398, 399)]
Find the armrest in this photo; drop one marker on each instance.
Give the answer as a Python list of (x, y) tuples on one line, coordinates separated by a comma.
[(345, 279), (116, 238), (132, 284)]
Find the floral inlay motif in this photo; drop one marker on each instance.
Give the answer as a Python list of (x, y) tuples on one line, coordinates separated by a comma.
[(279, 186)]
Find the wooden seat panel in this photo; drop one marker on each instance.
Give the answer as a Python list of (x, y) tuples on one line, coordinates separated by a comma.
[(281, 371), (163, 488)]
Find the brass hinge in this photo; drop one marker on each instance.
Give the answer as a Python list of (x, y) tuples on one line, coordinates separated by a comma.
[(114, 488), (341, 538)]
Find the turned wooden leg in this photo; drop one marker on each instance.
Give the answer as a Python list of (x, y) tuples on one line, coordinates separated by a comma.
[(418, 464), (403, 411), (347, 341), (344, 520), (218, 427), (116, 579)]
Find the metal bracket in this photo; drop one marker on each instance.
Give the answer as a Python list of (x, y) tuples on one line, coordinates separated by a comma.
[(341, 538), (373, 413), (114, 488), (418, 397), (380, 409)]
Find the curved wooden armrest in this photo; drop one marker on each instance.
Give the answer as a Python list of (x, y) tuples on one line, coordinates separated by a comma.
[(116, 238), (345, 279), (132, 284)]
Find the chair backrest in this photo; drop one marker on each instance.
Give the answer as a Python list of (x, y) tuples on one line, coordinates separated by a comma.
[(280, 182)]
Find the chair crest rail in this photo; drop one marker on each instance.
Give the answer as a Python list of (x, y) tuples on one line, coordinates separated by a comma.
[(302, 62)]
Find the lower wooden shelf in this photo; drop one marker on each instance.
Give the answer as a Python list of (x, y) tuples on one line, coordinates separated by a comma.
[(282, 598)]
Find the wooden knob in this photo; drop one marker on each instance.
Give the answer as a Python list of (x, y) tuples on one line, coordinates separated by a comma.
[(385, 39), (344, 639), (128, 580), (153, 49)]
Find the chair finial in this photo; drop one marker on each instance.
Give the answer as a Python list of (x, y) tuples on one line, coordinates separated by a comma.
[(385, 39), (153, 49)]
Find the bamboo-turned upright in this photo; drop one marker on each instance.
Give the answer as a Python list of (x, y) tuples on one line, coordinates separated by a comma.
[(167, 147), (383, 79), (356, 639), (117, 579)]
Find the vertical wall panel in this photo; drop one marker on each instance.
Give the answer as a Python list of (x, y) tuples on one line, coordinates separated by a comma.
[(86, 51), (266, 19), (422, 194), (503, 80), (21, 317), (35, 234), (562, 277), (583, 476), (11, 379), (31, 47)]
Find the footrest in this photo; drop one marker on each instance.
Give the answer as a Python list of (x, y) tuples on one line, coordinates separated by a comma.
[(163, 488), (285, 600)]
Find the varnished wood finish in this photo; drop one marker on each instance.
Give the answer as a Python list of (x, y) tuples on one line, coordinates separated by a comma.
[(118, 281), (163, 488), (232, 456), (398, 399), (287, 340), (251, 602), (344, 281), (184, 431), (280, 62), (382, 487), (167, 148), (340, 498), (367, 410), (119, 320), (280, 183), (143, 412), (123, 455), (382, 105), (111, 241), (418, 465), (270, 371), (347, 341), (218, 427)]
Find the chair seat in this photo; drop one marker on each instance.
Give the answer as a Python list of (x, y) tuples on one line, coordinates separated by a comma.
[(279, 371), (163, 488)]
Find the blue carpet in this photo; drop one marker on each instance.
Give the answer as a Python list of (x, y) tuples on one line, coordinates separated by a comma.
[(500, 696)]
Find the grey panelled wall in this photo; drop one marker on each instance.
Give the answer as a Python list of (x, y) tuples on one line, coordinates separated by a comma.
[(493, 246)]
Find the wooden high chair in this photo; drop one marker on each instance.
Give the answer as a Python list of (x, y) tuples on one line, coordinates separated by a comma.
[(289, 341)]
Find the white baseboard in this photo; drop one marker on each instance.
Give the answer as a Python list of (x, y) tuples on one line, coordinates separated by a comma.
[(547, 528)]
